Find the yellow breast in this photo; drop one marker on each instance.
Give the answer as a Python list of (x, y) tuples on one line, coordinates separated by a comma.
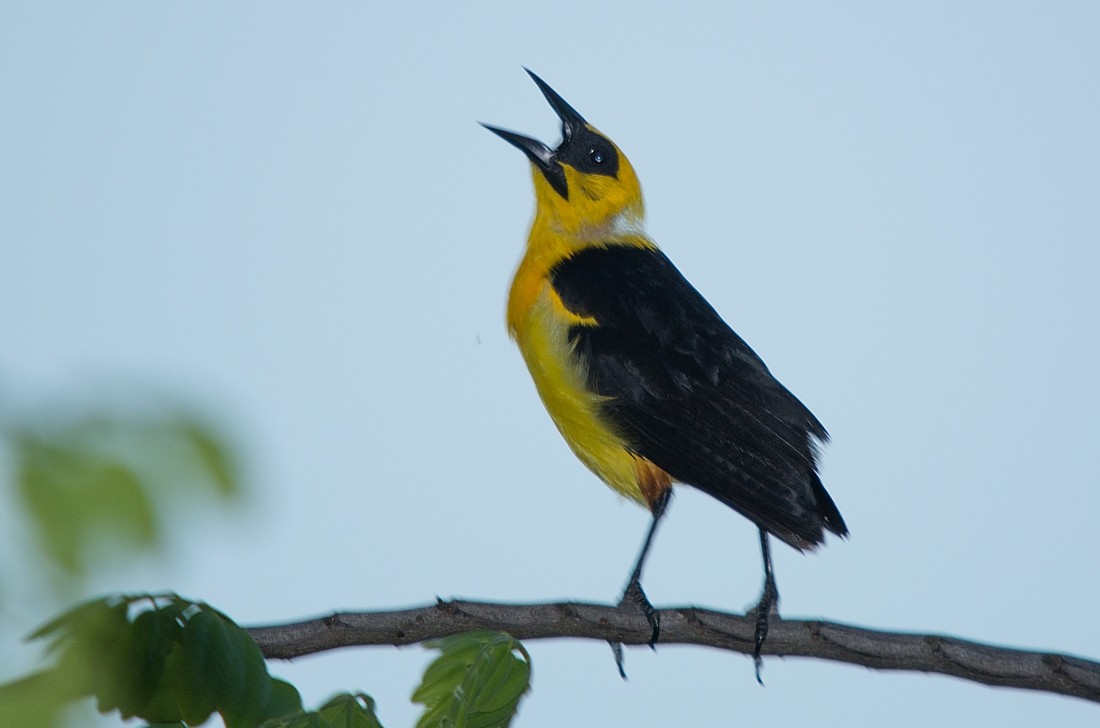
[(540, 325)]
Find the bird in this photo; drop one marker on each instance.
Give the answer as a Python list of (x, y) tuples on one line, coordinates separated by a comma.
[(644, 380)]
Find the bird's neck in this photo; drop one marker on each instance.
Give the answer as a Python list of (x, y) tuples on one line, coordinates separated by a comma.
[(549, 243)]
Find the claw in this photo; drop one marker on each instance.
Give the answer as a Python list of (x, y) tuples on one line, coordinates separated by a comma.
[(617, 651), (635, 596)]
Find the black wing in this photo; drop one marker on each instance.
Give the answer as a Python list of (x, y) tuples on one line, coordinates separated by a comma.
[(689, 394)]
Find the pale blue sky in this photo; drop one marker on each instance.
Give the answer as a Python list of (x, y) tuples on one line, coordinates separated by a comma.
[(287, 212)]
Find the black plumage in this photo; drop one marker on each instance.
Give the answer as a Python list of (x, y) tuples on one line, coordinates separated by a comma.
[(688, 394)]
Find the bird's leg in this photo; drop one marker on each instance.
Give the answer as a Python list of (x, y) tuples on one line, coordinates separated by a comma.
[(633, 593), (769, 600)]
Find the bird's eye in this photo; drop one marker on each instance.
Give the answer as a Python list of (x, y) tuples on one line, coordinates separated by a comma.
[(593, 155)]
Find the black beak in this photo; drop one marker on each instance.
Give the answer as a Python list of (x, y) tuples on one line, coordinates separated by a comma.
[(571, 121), (541, 155)]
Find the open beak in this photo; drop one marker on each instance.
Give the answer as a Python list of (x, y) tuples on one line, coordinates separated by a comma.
[(542, 156)]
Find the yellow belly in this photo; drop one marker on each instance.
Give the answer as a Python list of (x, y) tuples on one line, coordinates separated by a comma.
[(542, 333)]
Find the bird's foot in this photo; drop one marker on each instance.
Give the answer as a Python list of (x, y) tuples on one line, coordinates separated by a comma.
[(636, 598), (769, 603)]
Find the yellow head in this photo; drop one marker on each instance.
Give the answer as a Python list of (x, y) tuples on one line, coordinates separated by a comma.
[(586, 187)]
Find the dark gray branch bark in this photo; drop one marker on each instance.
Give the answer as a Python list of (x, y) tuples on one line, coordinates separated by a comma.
[(987, 664)]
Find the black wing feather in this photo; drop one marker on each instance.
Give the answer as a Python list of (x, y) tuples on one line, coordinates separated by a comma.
[(689, 394)]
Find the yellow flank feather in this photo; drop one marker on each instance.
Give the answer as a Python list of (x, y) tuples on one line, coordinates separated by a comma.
[(543, 337)]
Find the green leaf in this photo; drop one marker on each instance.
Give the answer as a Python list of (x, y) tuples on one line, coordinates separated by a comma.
[(163, 705), (254, 700), (142, 660), (476, 682), (284, 699), (341, 711), (301, 720), (222, 664), (350, 711), (201, 667), (175, 660)]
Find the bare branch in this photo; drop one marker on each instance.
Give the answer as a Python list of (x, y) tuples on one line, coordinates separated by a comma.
[(987, 664)]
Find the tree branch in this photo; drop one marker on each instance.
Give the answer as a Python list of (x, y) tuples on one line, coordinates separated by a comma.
[(987, 664)]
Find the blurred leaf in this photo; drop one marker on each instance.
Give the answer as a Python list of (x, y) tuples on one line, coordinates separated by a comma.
[(74, 496), (35, 701), (87, 642), (212, 455), (476, 682), (95, 484), (174, 661), (78, 619)]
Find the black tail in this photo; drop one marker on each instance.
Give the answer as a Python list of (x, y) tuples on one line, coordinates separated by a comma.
[(828, 511)]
